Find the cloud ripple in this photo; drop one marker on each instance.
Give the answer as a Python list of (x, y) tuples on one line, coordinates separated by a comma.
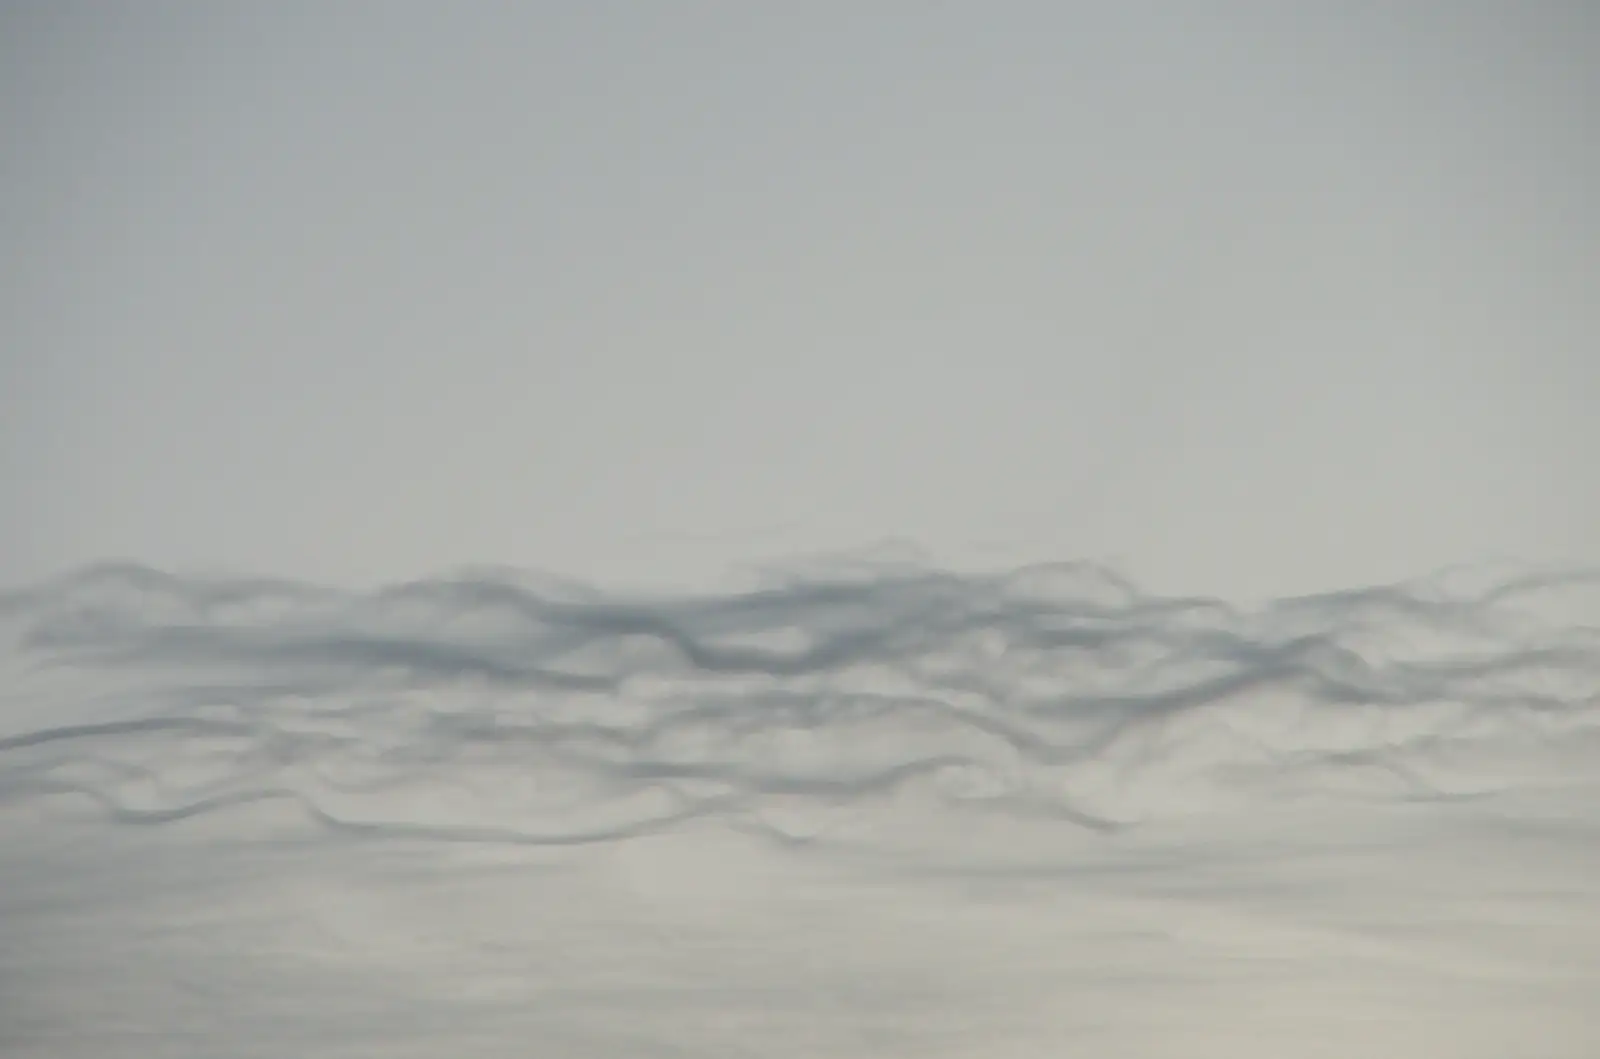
[(825, 707)]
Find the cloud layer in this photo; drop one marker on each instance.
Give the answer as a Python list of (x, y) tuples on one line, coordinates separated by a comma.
[(863, 808), (500, 708)]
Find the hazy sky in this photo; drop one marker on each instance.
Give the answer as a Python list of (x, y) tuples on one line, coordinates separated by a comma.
[(1243, 298), (1248, 298)]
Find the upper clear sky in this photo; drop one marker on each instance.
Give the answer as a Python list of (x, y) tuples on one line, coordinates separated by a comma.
[(1247, 297)]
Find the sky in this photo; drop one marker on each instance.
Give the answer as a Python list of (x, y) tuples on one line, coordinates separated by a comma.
[(858, 530), (1245, 299)]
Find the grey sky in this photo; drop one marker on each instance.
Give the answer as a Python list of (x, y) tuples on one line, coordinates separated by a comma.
[(1250, 298)]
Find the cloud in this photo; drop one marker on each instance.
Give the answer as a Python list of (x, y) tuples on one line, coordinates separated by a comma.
[(832, 698), (865, 807)]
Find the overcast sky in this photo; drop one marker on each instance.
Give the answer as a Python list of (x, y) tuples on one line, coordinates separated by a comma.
[(1248, 298)]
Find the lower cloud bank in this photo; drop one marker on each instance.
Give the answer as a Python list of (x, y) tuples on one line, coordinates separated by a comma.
[(852, 811)]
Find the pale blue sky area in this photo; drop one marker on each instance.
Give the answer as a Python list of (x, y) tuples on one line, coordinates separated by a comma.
[(1249, 298)]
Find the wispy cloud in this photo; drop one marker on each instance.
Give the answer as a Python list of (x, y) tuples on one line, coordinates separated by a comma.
[(574, 716), (869, 808)]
